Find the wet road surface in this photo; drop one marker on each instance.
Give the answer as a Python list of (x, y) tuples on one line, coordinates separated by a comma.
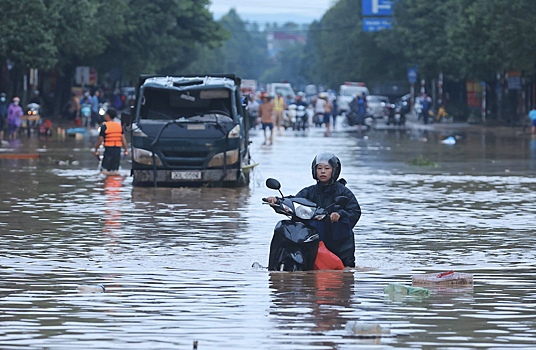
[(176, 262)]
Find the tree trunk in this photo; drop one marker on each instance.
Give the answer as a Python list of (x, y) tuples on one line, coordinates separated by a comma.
[(63, 89)]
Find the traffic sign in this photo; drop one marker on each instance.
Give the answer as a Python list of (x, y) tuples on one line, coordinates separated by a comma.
[(376, 24), (412, 75), (377, 7)]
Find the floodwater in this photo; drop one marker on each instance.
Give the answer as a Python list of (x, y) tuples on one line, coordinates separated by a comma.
[(176, 262)]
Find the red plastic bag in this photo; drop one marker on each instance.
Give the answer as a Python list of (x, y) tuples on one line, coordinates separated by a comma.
[(326, 260)]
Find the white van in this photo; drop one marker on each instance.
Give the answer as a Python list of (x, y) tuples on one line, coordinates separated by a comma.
[(284, 88), (347, 93)]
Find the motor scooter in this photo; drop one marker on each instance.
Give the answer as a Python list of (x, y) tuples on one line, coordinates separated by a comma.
[(295, 242), (318, 119), (302, 118), (289, 117)]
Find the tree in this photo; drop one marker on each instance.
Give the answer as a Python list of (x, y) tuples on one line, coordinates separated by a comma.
[(27, 38), (243, 53), (161, 36)]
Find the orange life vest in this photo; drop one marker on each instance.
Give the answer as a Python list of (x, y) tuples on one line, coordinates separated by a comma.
[(113, 134)]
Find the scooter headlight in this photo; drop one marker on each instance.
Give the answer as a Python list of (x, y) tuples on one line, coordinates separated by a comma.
[(304, 212)]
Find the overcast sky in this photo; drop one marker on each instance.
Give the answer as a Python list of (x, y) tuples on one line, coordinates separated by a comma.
[(305, 8)]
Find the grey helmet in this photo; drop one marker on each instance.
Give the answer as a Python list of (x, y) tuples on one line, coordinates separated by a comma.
[(330, 159)]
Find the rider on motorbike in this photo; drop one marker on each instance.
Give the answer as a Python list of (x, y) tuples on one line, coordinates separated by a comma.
[(336, 232)]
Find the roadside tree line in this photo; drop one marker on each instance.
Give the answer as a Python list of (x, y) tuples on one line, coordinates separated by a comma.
[(464, 40), (136, 36)]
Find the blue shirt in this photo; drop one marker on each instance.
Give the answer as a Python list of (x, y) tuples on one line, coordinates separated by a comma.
[(532, 114), (95, 104)]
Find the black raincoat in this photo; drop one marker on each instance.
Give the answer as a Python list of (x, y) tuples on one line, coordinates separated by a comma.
[(337, 236)]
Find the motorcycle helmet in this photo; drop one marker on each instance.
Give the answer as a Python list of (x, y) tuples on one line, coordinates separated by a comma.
[(329, 159)]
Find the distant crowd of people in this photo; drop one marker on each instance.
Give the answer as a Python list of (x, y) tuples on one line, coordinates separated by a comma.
[(268, 111), (85, 110)]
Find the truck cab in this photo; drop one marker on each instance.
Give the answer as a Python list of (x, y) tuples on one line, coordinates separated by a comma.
[(188, 130)]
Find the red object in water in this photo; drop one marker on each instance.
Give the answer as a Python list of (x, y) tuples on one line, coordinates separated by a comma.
[(326, 260), (445, 273), (77, 121)]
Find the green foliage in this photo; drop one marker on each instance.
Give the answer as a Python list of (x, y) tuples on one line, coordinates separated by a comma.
[(287, 67), (421, 161), (161, 36), (243, 53), (136, 35), (26, 38), (344, 52)]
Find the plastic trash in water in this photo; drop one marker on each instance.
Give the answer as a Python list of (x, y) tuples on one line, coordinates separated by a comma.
[(75, 131), (359, 327), (449, 141), (401, 289), (99, 288)]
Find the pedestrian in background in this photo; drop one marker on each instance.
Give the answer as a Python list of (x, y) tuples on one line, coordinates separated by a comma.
[(117, 100), (328, 109), (426, 104), (113, 136), (74, 107), (3, 114), (14, 112), (253, 110), (94, 108), (266, 110), (85, 108), (335, 113), (279, 106), (532, 116)]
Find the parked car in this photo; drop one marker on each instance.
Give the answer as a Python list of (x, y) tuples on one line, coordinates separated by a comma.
[(377, 105)]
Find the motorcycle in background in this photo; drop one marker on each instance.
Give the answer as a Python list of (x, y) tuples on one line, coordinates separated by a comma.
[(289, 117), (302, 118)]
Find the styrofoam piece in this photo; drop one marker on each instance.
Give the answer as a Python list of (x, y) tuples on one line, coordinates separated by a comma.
[(453, 278)]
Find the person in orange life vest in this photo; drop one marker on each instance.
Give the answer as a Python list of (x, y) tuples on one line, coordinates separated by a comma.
[(113, 136)]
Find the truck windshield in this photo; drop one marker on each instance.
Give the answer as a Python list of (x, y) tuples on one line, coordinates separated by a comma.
[(192, 105)]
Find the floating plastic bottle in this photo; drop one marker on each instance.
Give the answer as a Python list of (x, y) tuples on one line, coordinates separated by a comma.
[(99, 288), (359, 327), (396, 288)]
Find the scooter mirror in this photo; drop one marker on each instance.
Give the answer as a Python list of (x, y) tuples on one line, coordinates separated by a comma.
[(341, 201), (273, 184)]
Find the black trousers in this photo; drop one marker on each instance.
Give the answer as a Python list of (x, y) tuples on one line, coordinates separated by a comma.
[(112, 157)]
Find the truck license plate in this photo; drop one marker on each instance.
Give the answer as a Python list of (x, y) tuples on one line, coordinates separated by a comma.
[(185, 175)]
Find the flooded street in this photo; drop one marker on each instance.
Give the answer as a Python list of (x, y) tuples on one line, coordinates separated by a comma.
[(176, 262)]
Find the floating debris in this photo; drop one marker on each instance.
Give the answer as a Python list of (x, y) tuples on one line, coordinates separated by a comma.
[(449, 277), (449, 141), (360, 327), (99, 288), (401, 289)]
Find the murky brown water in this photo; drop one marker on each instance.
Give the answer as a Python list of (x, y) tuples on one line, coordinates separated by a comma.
[(177, 262)]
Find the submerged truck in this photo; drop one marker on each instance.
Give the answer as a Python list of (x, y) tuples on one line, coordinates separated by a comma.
[(189, 130)]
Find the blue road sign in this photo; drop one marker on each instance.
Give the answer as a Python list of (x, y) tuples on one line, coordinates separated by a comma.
[(377, 7), (375, 24), (412, 75)]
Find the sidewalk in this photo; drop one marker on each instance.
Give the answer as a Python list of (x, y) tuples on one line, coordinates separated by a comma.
[(413, 123)]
